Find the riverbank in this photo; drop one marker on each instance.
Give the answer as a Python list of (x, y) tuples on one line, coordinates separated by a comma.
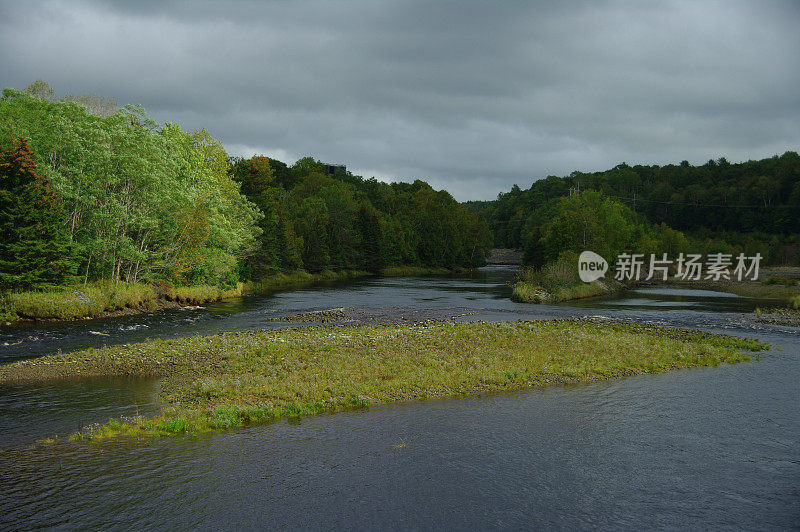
[(403, 271), (768, 287), (106, 300), (778, 316), (558, 282), (228, 380)]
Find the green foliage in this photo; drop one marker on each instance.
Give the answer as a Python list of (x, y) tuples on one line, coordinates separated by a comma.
[(748, 207), (84, 301), (776, 279), (201, 294), (132, 201), (589, 221), (140, 202), (34, 243), (555, 281), (338, 222)]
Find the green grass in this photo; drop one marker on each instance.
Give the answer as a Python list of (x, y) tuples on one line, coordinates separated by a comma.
[(776, 279), (228, 380), (81, 301), (767, 289), (796, 302), (402, 271), (526, 292), (201, 294), (556, 281), (298, 278), (94, 299)]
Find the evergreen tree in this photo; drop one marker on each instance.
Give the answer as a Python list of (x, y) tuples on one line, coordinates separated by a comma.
[(34, 241)]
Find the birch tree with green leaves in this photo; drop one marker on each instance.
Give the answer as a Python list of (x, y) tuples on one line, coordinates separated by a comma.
[(141, 202)]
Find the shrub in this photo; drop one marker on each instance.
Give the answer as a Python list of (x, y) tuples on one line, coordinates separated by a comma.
[(779, 280)]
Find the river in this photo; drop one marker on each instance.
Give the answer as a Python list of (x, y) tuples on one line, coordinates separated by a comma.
[(700, 448)]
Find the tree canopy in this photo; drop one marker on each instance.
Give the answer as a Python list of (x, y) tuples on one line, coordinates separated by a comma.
[(135, 201), (342, 221), (749, 207)]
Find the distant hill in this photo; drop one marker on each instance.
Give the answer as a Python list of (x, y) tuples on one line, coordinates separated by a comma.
[(715, 200)]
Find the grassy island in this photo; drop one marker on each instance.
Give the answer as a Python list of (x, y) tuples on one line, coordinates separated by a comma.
[(558, 281), (228, 380)]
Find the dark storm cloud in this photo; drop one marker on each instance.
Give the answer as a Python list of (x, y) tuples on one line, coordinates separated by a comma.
[(471, 96)]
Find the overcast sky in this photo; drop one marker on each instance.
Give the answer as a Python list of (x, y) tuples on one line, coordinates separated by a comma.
[(470, 96)]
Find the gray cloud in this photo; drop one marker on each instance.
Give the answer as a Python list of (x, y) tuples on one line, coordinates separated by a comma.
[(470, 96)]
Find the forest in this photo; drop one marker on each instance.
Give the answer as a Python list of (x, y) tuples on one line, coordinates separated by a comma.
[(745, 207), (93, 192)]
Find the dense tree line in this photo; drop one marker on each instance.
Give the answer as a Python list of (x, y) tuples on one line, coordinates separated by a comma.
[(113, 196), (140, 202), (750, 207), (318, 221)]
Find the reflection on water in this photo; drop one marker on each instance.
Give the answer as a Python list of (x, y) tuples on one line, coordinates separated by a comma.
[(713, 447)]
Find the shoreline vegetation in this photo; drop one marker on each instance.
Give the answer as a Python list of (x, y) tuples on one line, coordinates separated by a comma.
[(217, 382), (106, 299), (780, 283), (668, 208), (558, 281), (769, 287), (531, 292), (785, 317), (111, 213)]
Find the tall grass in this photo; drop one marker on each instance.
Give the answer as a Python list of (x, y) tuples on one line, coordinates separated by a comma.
[(93, 300), (83, 301), (298, 278), (556, 281), (201, 294), (776, 279), (402, 271)]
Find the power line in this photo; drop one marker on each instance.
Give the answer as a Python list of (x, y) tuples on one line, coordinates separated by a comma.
[(636, 199)]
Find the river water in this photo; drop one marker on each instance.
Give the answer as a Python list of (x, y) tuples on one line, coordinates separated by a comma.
[(700, 448)]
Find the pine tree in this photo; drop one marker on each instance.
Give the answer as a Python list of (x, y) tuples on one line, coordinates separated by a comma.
[(34, 243)]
